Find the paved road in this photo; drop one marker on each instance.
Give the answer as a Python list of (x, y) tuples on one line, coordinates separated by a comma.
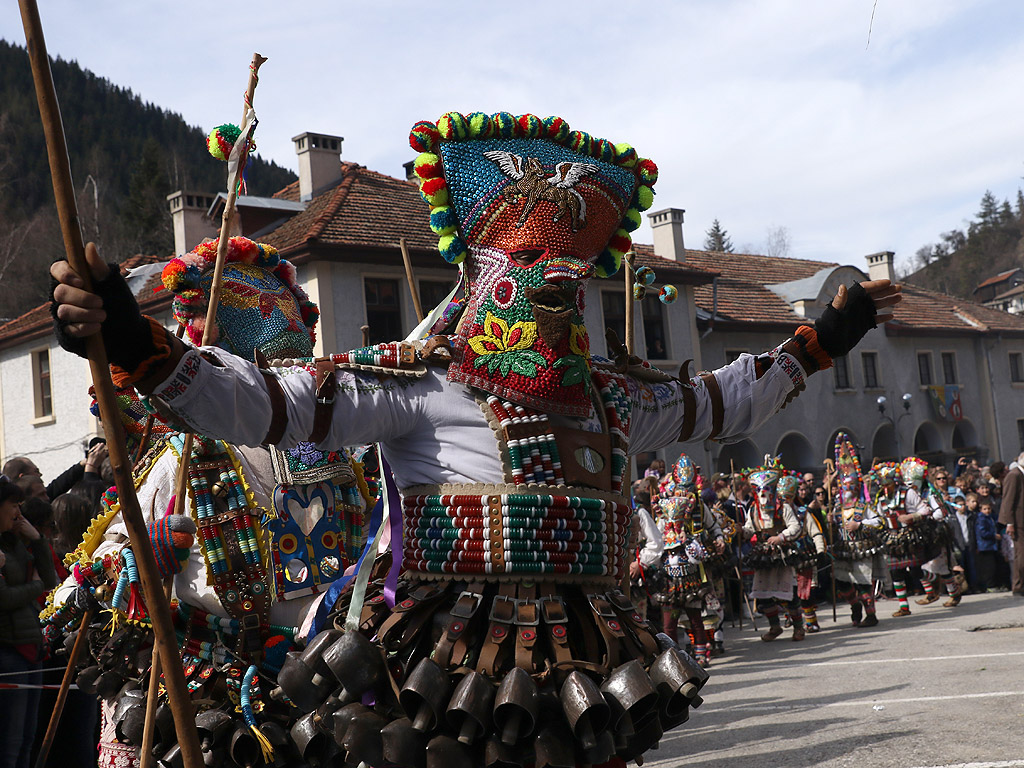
[(942, 687)]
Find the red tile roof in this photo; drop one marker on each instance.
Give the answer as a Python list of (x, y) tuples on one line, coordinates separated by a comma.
[(997, 278), (36, 322), (365, 210)]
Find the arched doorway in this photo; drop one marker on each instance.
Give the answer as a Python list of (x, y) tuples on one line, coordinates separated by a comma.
[(795, 452), (738, 456), (928, 443), (883, 444), (965, 441)]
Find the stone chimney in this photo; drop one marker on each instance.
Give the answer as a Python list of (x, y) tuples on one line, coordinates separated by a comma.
[(319, 162), (410, 170), (188, 215), (667, 228), (880, 266)]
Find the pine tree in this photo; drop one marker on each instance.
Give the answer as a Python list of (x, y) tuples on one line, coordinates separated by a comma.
[(717, 239)]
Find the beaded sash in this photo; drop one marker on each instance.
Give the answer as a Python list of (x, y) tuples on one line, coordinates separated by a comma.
[(496, 530)]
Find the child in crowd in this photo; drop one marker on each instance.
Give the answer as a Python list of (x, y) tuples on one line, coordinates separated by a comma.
[(988, 540)]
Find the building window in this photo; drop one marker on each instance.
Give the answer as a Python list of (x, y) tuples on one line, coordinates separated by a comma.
[(841, 372), (613, 306), (433, 292), (869, 360), (949, 367), (1020, 433), (1016, 367), (654, 330), (41, 383), (383, 313), (732, 355), (924, 368)]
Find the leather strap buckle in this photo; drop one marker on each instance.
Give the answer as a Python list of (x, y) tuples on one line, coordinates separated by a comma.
[(503, 609), (552, 608), (601, 606), (527, 613), (464, 611)]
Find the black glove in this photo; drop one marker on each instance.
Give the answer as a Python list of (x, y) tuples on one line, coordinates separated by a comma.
[(127, 333), (840, 330)]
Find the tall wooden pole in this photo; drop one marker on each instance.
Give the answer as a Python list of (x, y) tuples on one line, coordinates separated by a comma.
[(628, 271), (67, 210), (416, 303)]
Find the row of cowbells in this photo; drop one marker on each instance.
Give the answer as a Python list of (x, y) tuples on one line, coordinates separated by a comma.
[(449, 721)]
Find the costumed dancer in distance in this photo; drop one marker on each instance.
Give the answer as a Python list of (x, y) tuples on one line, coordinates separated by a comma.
[(913, 534), (857, 550), (276, 527), (693, 538), (813, 547), (773, 527), (509, 455), (938, 568)]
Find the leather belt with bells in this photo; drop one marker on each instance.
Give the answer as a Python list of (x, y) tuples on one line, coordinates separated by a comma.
[(502, 616), (453, 646)]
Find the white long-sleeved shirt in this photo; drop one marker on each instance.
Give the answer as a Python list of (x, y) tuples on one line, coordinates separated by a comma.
[(432, 430)]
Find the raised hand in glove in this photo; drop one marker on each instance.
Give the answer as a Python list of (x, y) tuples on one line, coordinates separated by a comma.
[(853, 312), (137, 345)]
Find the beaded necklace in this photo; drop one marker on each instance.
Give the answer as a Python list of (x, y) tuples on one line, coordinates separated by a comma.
[(227, 517)]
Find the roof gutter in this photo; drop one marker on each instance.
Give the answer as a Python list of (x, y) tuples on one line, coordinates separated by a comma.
[(714, 308)]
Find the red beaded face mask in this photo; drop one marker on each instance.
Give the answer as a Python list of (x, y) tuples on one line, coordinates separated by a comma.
[(523, 337), (533, 209)]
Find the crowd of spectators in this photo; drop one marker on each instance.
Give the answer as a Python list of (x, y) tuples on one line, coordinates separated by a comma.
[(39, 524)]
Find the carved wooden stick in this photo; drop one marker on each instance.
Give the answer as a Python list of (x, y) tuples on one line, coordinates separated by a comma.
[(67, 210)]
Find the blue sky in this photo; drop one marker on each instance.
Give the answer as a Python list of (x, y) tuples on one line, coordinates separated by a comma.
[(761, 113)]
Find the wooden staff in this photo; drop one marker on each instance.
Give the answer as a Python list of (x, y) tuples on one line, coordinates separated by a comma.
[(149, 727), (62, 694), (181, 484), (67, 211), (829, 468), (628, 271), (417, 304), (739, 576)]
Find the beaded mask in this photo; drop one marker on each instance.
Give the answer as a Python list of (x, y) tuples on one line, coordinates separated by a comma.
[(848, 467), (683, 471), (764, 480), (914, 472), (261, 304), (534, 210), (787, 487), (888, 474)]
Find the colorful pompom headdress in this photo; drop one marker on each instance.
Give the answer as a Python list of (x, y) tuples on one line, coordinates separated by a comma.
[(532, 209), (788, 485), (886, 472), (261, 306), (518, 182), (767, 475), (848, 467), (914, 471)]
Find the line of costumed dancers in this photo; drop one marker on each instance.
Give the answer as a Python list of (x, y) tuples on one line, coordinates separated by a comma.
[(880, 527)]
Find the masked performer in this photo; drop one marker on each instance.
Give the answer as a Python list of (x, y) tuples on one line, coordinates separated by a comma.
[(857, 542), (812, 545), (509, 454), (773, 527), (913, 536), (698, 539), (938, 568), (275, 527)]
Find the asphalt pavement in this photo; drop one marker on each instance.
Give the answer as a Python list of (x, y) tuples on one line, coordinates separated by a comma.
[(942, 687)]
